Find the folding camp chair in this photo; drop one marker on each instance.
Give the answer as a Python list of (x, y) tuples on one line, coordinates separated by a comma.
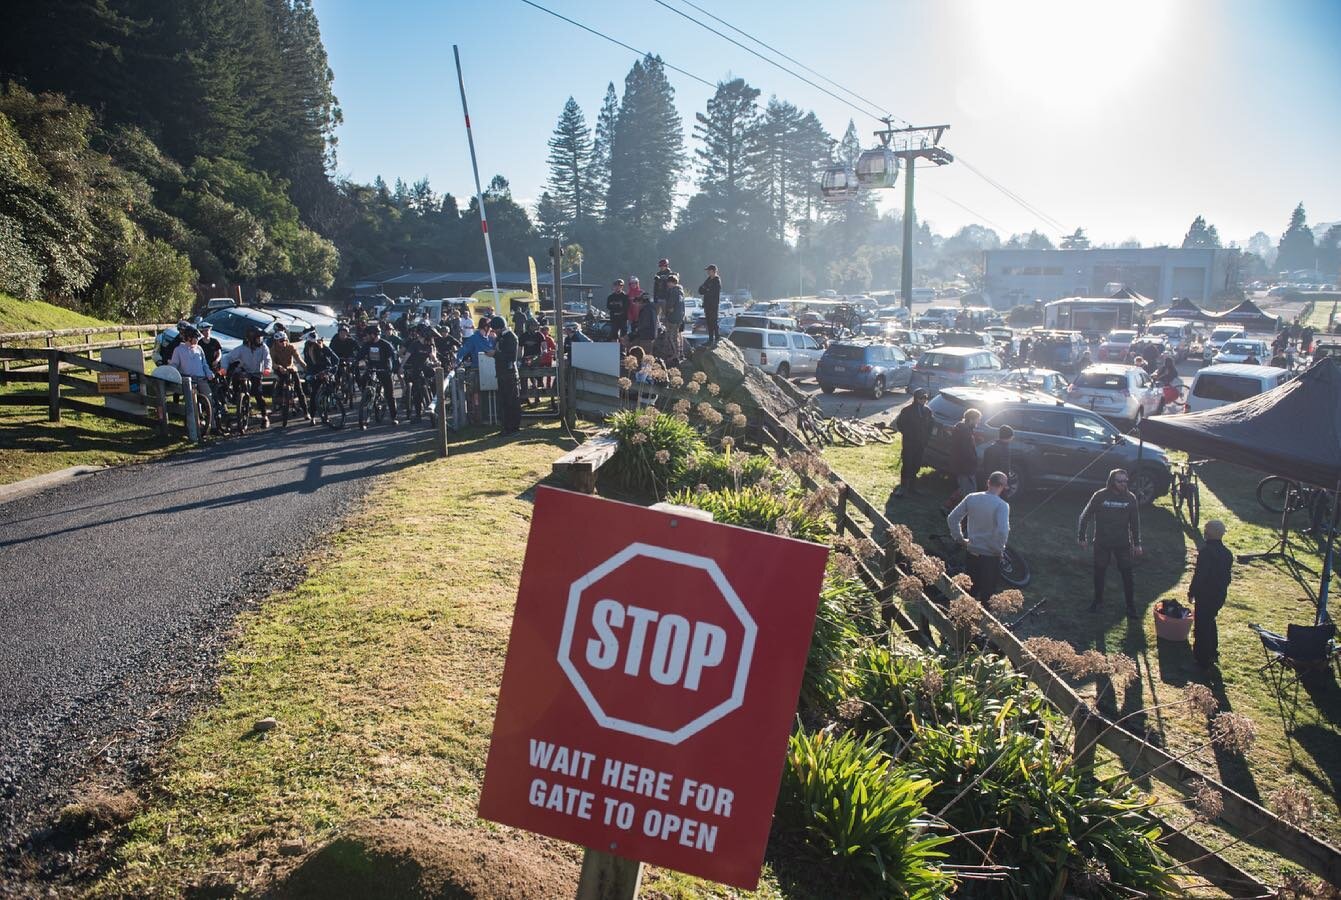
[(1302, 650)]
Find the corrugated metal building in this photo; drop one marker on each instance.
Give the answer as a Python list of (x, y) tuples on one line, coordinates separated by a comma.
[(1011, 277)]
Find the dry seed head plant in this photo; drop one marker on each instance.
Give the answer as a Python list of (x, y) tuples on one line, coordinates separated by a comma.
[(931, 682), (1207, 802), (625, 384), (662, 456), (1006, 603), (1200, 698), (692, 387), (739, 420), (963, 581), (928, 569), (964, 612), (682, 406), (629, 364), (1233, 731), (700, 377), (908, 588), (1294, 805), (714, 390), (733, 409)]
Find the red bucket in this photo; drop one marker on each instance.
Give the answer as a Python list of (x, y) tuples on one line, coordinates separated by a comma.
[(1171, 629)]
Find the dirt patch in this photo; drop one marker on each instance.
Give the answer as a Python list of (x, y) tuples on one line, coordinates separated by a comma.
[(98, 810), (403, 858)]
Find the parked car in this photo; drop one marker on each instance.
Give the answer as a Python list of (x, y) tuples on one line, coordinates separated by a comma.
[(763, 320), (873, 368), (953, 366), (1219, 335), (1056, 444), (1125, 394), (785, 353), (914, 343), (1326, 346), (1114, 346), (1239, 350), (230, 327), (1043, 381), (1178, 335), (966, 339), (1222, 384), (320, 323), (1060, 350)]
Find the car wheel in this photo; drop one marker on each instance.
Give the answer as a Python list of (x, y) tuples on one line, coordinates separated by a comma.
[(827, 388), (878, 389), (1151, 482), (784, 370)]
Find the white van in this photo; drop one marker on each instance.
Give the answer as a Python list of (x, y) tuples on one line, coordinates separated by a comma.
[(1227, 383), (786, 353)]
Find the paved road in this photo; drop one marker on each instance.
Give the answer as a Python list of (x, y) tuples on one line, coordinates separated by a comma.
[(119, 587)]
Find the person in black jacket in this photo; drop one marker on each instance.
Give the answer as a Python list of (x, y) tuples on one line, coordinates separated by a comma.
[(210, 346), (380, 355), (344, 345), (617, 305), (1117, 535), (661, 282), (1210, 585), (964, 457), (505, 363), (997, 458), (711, 292), (914, 423)]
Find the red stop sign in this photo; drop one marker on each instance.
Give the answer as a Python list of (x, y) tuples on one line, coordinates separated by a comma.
[(651, 683)]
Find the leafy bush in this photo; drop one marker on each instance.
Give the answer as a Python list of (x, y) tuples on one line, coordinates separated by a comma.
[(847, 613), (858, 817), (654, 450), (153, 285), (760, 509), (735, 470)]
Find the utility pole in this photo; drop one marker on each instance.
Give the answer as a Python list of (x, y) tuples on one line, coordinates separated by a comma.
[(910, 145), (560, 375)]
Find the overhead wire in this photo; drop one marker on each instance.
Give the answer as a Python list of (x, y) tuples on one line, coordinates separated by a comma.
[(1043, 217)]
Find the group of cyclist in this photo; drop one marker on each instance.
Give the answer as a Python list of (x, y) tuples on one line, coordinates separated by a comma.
[(369, 361)]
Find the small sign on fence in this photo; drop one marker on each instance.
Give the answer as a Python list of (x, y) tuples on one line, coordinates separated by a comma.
[(113, 382), (650, 684)]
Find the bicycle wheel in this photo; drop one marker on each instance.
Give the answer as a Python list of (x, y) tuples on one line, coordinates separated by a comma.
[(379, 405), (1015, 569), (876, 433), (284, 399), (204, 412), (1192, 497), (332, 408), (243, 410), (1274, 491), (806, 428), (848, 432)]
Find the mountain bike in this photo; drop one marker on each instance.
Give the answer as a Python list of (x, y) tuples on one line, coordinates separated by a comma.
[(204, 402), (288, 390), (240, 385), (1185, 492), (1285, 496), (327, 404), (1014, 567), (346, 383), (374, 404)]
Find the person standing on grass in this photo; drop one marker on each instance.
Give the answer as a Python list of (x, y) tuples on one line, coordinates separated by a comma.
[(617, 305), (996, 458), (1117, 536), (711, 292), (505, 363), (988, 528), (914, 424), (1210, 585), (964, 457)]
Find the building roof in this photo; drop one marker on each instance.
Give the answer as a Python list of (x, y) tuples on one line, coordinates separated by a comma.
[(407, 278)]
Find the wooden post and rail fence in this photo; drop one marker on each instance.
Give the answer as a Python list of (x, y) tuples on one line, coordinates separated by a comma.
[(79, 340)]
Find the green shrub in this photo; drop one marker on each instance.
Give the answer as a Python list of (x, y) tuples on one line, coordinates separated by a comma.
[(760, 509), (153, 285), (859, 818), (735, 470), (654, 450), (848, 612)]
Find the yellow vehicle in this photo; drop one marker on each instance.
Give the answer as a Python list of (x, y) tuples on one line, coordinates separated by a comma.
[(482, 303)]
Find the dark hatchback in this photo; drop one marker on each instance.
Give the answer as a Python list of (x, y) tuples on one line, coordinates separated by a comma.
[(1056, 444), (873, 368)]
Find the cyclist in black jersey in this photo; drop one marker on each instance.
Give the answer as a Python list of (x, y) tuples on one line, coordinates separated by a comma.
[(381, 360)]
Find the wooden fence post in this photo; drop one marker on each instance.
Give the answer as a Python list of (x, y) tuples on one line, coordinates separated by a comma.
[(608, 877), (440, 385), (1088, 728), (53, 385), (189, 401), (161, 405), (840, 513)]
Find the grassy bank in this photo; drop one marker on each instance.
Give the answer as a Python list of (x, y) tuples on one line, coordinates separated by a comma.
[(1295, 743), (29, 444), (382, 670)]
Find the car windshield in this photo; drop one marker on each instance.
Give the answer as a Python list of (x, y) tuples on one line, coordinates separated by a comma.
[(1094, 430), (750, 340), (1224, 334), (1166, 330), (231, 324), (945, 361), (1102, 381), (1243, 347), (1121, 337), (847, 351)]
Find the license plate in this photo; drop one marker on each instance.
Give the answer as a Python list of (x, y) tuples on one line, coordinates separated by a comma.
[(840, 368)]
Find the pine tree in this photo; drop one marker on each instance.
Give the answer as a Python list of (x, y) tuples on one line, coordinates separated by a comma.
[(549, 218), (729, 157), (857, 214), (1296, 249), (599, 170), (570, 153), (1201, 236), (647, 152)]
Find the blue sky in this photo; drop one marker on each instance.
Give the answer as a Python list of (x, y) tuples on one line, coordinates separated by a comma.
[(1126, 117)]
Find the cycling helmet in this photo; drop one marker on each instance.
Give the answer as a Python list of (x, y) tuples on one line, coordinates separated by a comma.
[(374, 330), (205, 326), (188, 332), (344, 327), (253, 333), (281, 334), (497, 323)]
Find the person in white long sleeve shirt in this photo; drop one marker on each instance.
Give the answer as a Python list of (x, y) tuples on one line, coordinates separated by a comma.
[(252, 358), (189, 359), (988, 529)]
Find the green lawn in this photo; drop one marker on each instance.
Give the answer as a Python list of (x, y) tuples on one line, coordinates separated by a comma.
[(1043, 529), (34, 315)]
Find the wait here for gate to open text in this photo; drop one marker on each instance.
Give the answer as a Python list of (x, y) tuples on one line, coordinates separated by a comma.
[(623, 780)]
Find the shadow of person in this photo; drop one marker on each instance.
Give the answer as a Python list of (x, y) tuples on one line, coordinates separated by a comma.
[(1177, 666), (1233, 767)]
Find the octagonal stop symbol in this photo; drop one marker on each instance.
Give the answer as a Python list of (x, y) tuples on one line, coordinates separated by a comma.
[(657, 643)]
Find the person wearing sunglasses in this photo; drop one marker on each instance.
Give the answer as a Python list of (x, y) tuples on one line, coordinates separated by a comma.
[(1113, 512)]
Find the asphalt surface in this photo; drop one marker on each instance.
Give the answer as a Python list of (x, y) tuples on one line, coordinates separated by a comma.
[(120, 589)]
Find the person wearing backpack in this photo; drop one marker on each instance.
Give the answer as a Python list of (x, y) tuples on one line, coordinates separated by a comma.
[(673, 314)]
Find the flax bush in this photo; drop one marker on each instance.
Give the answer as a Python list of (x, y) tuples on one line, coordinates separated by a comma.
[(655, 450), (859, 818), (761, 509)]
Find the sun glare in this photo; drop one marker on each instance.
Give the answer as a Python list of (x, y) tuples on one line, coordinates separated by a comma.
[(1061, 52)]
